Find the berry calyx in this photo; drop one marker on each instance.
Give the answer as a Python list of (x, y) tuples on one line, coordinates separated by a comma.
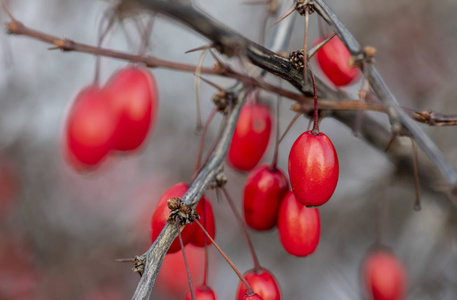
[(263, 192), (333, 58), (384, 276), (262, 282), (133, 96), (202, 292), (90, 128), (251, 137), (313, 168), (298, 226)]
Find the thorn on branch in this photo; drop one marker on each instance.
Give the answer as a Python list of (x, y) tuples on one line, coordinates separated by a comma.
[(181, 211)]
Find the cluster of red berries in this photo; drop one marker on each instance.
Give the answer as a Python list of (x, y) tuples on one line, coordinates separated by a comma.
[(116, 117), (267, 202)]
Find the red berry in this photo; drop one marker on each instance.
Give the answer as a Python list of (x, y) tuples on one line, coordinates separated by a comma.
[(262, 282), (205, 211), (333, 58), (251, 136), (162, 212), (384, 275), (263, 191), (133, 96), (202, 292), (298, 226), (252, 297), (90, 128), (313, 169)]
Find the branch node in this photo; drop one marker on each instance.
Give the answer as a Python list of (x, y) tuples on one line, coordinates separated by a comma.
[(301, 6), (223, 100), (180, 210), (296, 58), (14, 27), (139, 263)]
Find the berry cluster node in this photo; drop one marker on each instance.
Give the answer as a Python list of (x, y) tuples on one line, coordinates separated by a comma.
[(139, 263), (223, 100), (304, 5), (180, 210), (296, 58)]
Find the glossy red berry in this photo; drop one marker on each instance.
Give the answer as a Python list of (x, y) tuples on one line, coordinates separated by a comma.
[(90, 128), (333, 58), (298, 226), (202, 292), (263, 191), (205, 211), (252, 297), (251, 136), (262, 282), (162, 212), (313, 168), (384, 276), (133, 96)]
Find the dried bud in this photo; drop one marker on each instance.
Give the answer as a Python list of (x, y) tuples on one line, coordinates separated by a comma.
[(174, 203)]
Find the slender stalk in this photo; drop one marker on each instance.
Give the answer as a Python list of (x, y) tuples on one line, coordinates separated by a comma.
[(189, 279), (246, 284), (202, 141), (417, 203), (294, 119), (275, 155), (315, 130), (243, 229)]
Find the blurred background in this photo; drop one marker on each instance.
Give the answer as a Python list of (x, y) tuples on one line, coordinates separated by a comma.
[(60, 230)]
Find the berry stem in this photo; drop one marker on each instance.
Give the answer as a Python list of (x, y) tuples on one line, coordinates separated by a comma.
[(205, 274), (146, 34), (305, 50), (275, 156), (243, 229), (417, 203), (246, 284), (205, 270), (189, 279), (102, 32), (197, 89), (202, 141), (292, 122), (315, 130)]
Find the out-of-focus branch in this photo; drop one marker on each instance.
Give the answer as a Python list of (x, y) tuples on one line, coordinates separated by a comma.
[(428, 117), (398, 118)]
